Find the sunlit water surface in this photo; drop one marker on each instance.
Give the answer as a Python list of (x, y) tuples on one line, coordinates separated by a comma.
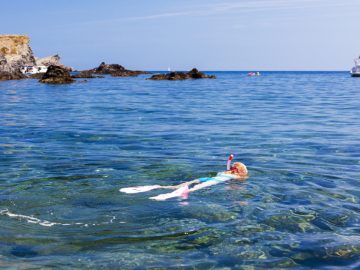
[(66, 150)]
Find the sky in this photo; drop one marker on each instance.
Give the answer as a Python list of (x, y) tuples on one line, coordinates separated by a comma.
[(210, 35)]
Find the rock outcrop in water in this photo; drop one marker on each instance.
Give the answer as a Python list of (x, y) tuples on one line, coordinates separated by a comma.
[(57, 75), (15, 52), (114, 70), (4, 76), (108, 68), (174, 76), (86, 74)]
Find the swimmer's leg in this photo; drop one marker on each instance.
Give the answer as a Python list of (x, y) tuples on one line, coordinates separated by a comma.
[(183, 191), (139, 189), (180, 192), (195, 181)]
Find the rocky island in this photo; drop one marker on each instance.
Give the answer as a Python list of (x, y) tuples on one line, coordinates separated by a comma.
[(173, 76), (16, 53), (115, 70)]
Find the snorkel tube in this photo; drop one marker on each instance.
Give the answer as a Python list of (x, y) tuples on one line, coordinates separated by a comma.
[(228, 164)]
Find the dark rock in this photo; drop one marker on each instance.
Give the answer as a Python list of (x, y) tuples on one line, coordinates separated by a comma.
[(108, 68), (174, 76), (128, 73), (195, 74), (56, 75), (4, 76), (115, 70), (86, 74), (36, 76)]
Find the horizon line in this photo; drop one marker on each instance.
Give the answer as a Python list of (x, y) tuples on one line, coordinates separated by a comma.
[(252, 70)]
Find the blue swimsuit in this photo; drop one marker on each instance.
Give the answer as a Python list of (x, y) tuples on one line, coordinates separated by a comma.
[(220, 177)]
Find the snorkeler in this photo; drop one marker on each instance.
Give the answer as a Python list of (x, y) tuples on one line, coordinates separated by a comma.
[(237, 171)]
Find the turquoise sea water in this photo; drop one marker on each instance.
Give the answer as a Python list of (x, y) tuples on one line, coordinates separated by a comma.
[(66, 150)]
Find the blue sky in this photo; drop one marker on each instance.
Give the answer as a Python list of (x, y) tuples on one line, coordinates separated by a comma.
[(210, 35)]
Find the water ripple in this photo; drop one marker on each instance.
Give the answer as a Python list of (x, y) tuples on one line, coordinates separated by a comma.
[(66, 150)]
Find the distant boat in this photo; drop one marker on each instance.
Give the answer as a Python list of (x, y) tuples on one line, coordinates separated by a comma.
[(355, 71), (252, 74), (169, 69)]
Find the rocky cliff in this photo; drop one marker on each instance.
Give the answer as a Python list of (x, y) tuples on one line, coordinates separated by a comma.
[(53, 60), (14, 53)]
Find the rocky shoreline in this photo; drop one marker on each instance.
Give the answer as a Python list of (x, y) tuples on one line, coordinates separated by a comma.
[(7, 76), (16, 53)]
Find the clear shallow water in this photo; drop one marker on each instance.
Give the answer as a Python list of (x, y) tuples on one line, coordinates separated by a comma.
[(66, 150)]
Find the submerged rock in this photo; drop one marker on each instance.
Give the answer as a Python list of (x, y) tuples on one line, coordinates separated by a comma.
[(57, 75), (174, 76), (23, 251)]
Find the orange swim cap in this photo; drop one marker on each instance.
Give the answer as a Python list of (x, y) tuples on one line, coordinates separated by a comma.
[(239, 168)]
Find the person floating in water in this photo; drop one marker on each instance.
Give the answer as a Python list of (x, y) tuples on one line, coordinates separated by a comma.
[(237, 171)]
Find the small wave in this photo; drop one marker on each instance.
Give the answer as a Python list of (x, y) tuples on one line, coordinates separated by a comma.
[(47, 223), (31, 219)]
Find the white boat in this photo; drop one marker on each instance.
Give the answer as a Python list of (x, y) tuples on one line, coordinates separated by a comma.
[(33, 69), (355, 71)]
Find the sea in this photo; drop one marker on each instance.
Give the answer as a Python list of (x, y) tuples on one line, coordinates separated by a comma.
[(66, 150)]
